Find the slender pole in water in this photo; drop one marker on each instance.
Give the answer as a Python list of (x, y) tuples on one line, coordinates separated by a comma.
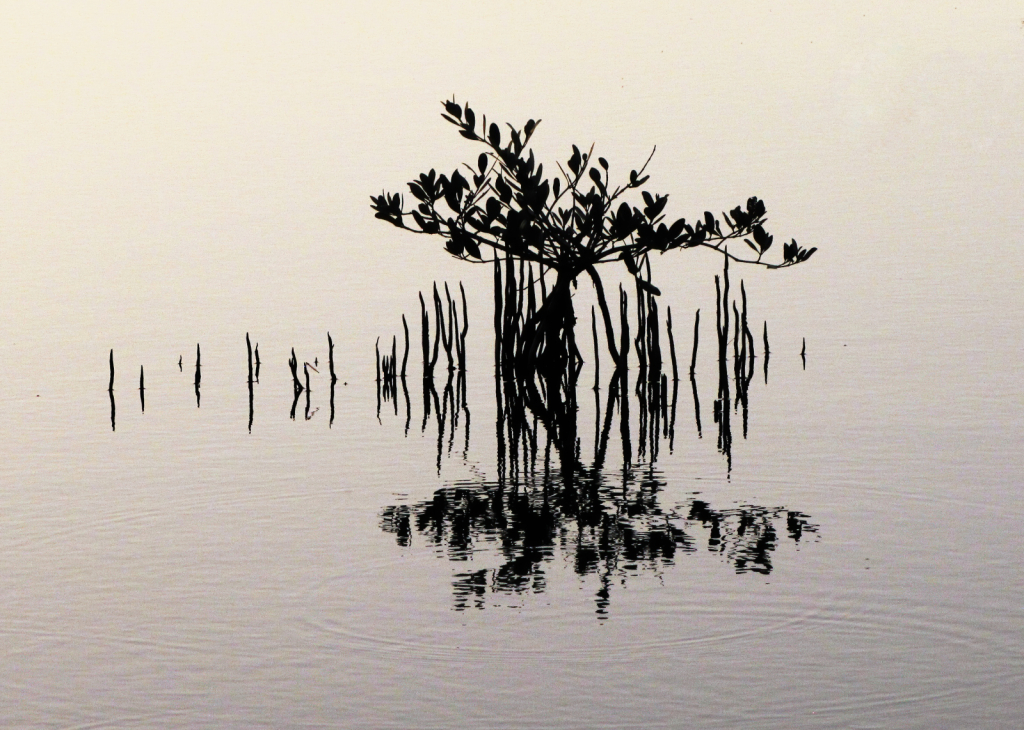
[(597, 357), (111, 386), (624, 332), (447, 334), (405, 355), (293, 364), (498, 314), (330, 356), (696, 339), (142, 387), (439, 329), (766, 352), (803, 353), (250, 405), (376, 358), (428, 369), (248, 346), (394, 359), (257, 354), (465, 329), (198, 375)]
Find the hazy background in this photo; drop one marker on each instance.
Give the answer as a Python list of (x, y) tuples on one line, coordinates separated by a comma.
[(159, 159)]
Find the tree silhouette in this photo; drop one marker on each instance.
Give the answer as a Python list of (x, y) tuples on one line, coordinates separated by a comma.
[(568, 223)]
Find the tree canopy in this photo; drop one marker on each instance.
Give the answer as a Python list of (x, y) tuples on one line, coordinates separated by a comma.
[(569, 221)]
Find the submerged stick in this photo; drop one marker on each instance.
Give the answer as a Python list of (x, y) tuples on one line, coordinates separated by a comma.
[(671, 344), (293, 363), (142, 387), (624, 333), (439, 331), (405, 354), (498, 312), (394, 359), (465, 329), (597, 357), (248, 346), (450, 339), (696, 339), (330, 358), (111, 386), (428, 369)]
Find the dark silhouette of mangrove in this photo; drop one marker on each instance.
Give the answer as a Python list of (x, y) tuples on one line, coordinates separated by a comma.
[(567, 224)]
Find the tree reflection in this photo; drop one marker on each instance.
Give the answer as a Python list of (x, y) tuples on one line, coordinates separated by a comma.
[(547, 500)]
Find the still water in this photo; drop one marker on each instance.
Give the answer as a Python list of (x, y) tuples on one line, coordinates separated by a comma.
[(853, 564), (239, 558)]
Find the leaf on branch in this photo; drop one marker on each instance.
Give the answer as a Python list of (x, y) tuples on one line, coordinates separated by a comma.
[(630, 263), (417, 191), (517, 143), (470, 118), (677, 228), (603, 162), (709, 221), (493, 208), (654, 206), (481, 162), (494, 135), (530, 126), (648, 287), (574, 161), (504, 191), (764, 239), (454, 109)]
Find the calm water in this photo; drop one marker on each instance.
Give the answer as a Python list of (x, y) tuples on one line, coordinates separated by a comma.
[(168, 181)]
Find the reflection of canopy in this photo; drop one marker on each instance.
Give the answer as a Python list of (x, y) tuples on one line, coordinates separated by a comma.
[(605, 529)]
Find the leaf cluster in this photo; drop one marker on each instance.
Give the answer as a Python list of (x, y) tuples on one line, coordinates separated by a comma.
[(569, 221)]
